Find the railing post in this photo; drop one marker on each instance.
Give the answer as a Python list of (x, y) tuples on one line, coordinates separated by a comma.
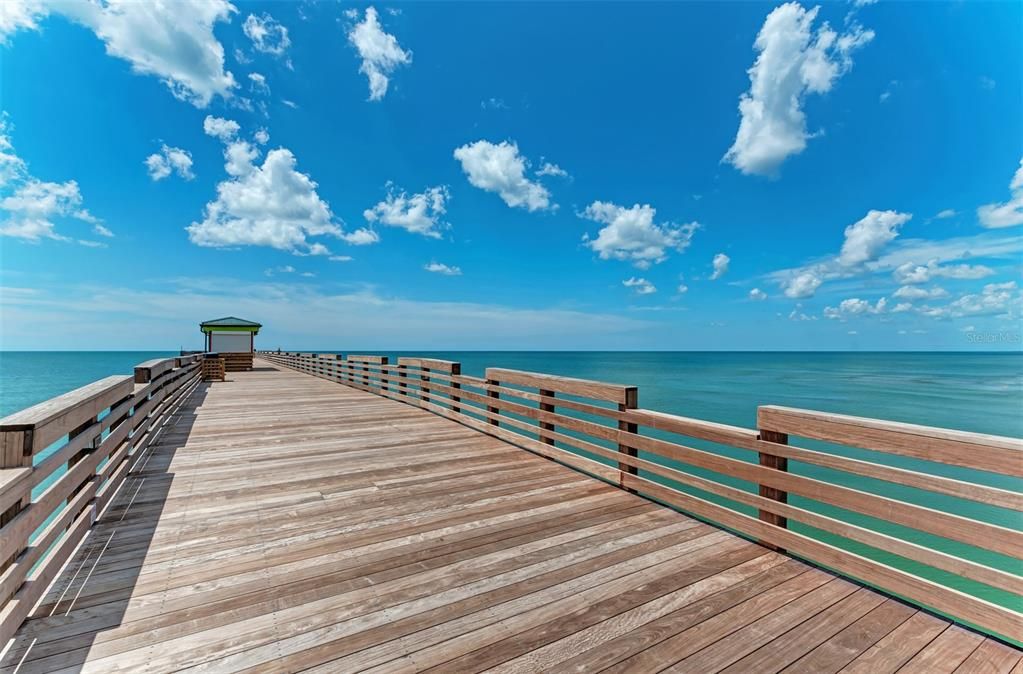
[(383, 374), (424, 378), (456, 370), (15, 452), (496, 395), (544, 426), (631, 403), (777, 463), (402, 374), (85, 452)]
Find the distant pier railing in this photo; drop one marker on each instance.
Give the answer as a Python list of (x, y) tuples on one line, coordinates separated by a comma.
[(747, 483), (61, 461)]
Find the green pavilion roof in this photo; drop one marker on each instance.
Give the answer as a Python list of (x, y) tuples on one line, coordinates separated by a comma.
[(229, 323)]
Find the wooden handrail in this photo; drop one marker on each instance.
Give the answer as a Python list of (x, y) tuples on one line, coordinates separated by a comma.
[(570, 420), (98, 429)]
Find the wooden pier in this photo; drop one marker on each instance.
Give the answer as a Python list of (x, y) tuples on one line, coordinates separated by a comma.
[(321, 513)]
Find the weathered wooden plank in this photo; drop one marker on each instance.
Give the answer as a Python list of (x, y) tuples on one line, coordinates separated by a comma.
[(970, 450), (51, 419), (616, 393)]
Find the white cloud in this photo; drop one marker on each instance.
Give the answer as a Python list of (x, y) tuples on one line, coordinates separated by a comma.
[(31, 205), (947, 213), (855, 307), (170, 160), (262, 136), (909, 273), (640, 285), (267, 35), (501, 169), (170, 39), (987, 83), (380, 52), (259, 84), (218, 127), (272, 204), (632, 235), (757, 295), (793, 61), (802, 285), (361, 237), (549, 169), (912, 293), (419, 213), (865, 238), (291, 104), (18, 14), (439, 268), (682, 289), (720, 263), (994, 299), (340, 258), (1007, 214)]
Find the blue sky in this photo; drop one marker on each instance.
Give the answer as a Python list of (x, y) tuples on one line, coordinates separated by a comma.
[(573, 176)]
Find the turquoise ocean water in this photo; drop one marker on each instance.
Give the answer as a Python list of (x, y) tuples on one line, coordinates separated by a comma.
[(981, 392)]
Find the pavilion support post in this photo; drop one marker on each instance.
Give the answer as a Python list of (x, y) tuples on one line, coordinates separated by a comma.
[(631, 403), (776, 463)]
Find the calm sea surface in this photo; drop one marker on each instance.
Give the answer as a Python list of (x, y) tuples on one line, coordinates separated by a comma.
[(980, 392)]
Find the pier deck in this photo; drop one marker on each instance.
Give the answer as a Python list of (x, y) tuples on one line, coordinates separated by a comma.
[(287, 523)]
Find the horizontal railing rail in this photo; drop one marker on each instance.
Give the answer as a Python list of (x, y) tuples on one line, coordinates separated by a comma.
[(811, 502), (61, 462)]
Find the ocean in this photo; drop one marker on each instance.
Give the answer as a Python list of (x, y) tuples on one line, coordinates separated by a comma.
[(981, 392)]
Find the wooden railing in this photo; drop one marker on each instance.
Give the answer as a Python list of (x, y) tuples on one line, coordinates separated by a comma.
[(61, 462), (747, 482)]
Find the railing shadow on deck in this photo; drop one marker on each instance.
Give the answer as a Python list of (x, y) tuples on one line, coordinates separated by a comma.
[(105, 569), (89, 521), (805, 482)]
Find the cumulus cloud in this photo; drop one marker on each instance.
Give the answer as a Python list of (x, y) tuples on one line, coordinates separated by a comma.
[(419, 213), (501, 169), (269, 204), (549, 169), (361, 237), (640, 285), (803, 284), (912, 293), (262, 136), (910, 273), (170, 39), (865, 238), (757, 295), (682, 289), (31, 206), (439, 268), (1006, 214), (855, 307), (793, 61), (720, 263), (259, 84), (631, 235), (380, 52), (994, 299), (945, 214), (218, 127), (267, 35), (170, 160)]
